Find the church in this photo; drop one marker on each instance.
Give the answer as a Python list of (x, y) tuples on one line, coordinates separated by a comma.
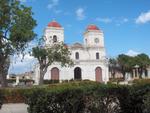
[(89, 57)]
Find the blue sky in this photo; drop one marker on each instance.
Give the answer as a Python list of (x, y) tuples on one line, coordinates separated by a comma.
[(125, 23)]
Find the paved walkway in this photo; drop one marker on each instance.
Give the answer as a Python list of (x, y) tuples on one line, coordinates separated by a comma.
[(14, 108)]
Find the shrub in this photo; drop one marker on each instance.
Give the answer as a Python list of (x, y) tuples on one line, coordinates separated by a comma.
[(82, 97), (76, 97), (146, 106), (141, 81), (51, 81), (90, 97)]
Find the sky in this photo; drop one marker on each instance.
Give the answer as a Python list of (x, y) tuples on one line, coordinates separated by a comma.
[(125, 23)]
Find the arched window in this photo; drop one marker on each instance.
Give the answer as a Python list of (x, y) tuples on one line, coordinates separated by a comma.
[(97, 55), (77, 55), (54, 38)]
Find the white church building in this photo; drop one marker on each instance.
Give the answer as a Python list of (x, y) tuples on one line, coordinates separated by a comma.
[(89, 58)]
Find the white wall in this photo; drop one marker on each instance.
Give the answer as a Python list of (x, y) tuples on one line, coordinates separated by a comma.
[(90, 37), (87, 70), (88, 53), (50, 32)]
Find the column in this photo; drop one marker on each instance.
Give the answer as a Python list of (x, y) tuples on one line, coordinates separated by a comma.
[(133, 73), (148, 73)]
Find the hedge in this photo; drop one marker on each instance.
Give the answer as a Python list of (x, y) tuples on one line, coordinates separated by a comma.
[(90, 98), (50, 81), (82, 97)]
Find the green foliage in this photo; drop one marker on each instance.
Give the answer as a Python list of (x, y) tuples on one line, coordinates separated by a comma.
[(113, 66), (50, 81), (16, 30), (90, 97), (142, 60), (146, 106), (141, 81), (48, 55), (125, 64), (16, 26), (82, 97), (20, 80), (56, 53)]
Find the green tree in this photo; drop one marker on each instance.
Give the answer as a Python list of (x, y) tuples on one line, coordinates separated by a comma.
[(113, 66), (126, 63), (48, 55), (16, 30), (143, 61)]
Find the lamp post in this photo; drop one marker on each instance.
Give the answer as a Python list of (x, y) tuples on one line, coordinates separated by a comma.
[(106, 69)]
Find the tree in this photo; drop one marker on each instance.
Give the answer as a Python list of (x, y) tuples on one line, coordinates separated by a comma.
[(113, 66), (126, 63), (47, 55), (16, 30), (143, 61)]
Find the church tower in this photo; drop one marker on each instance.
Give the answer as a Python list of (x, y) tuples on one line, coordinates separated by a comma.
[(53, 33), (93, 37)]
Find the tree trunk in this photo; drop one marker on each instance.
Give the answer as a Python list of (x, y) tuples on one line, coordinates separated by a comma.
[(41, 77), (4, 66), (3, 79), (43, 70)]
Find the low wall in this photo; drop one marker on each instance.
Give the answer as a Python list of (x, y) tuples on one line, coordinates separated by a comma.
[(14, 108)]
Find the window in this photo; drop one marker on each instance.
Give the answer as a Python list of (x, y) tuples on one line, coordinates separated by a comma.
[(77, 55), (54, 38), (97, 55), (96, 40)]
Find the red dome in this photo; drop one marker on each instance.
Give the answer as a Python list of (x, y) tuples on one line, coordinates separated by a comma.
[(54, 24), (92, 27)]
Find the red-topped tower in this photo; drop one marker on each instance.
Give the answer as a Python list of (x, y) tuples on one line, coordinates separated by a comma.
[(54, 24), (54, 33), (93, 36)]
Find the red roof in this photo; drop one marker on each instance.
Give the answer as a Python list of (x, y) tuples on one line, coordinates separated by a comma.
[(54, 24), (92, 27)]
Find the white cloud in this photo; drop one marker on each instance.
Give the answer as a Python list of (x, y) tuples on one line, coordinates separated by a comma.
[(120, 21), (19, 65), (132, 53), (52, 4), (80, 13), (143, 18), (104, 20)]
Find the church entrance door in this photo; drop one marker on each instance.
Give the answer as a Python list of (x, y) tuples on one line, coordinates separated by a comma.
[(77, 73), (98, 74), (55, 73)]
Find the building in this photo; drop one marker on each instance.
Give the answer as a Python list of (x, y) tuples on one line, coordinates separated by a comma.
[(89, 58)]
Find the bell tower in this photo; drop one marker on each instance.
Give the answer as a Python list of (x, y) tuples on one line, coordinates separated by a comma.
[(93, 37), (53, 33)]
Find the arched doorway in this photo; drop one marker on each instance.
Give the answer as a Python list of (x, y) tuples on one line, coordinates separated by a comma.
[(55, 73), (98, 74), (77, 73)]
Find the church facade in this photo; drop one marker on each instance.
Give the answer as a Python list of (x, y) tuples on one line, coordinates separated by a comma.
[(89, 58)]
